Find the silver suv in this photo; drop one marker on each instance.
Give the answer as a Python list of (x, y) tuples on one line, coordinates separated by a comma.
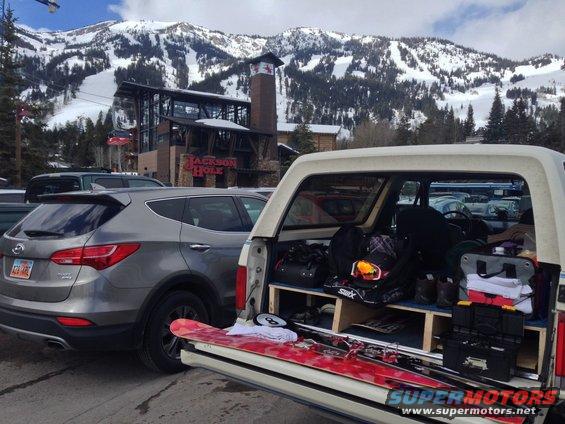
[(111, 269)]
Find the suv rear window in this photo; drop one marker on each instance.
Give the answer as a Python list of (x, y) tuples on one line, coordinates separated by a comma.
[(327, 200), (51, 186), (64, 220)]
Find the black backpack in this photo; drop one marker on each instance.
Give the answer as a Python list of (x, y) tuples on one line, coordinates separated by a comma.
[(348, 245)]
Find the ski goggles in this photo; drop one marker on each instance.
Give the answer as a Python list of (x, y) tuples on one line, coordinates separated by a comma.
[(367, 271)]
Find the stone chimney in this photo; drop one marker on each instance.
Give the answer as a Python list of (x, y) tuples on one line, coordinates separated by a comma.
[(264, 93)]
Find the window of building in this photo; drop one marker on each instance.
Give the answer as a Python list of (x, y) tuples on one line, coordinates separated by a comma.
[(165, 105), (185, 110)]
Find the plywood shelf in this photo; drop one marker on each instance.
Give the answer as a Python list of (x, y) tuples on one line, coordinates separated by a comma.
[(436, 321)]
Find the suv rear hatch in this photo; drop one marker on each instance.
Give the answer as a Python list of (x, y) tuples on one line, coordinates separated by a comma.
[(65, 222)]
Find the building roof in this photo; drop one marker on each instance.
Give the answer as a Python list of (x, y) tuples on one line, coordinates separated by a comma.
[(288, 149), (221, 123), (131, 89), (268, 57), (218, 124), (315, 128)]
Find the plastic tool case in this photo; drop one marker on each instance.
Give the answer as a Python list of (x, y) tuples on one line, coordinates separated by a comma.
[(484, 340)]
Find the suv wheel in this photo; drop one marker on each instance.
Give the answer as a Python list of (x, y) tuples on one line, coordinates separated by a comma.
[(161, 349)]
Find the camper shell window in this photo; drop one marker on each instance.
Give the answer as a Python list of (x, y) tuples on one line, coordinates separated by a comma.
[(330, 200)]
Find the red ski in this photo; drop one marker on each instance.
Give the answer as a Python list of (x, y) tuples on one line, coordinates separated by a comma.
[(323, 358)]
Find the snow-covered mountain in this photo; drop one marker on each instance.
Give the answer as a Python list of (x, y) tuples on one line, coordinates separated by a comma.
[(343, 78)]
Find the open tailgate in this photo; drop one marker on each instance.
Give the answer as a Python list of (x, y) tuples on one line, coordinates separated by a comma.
[(323, 383), (339, 395)]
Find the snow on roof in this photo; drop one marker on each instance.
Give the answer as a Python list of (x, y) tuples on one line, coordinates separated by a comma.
[(316, 129), (221, 123), (127, 86), (213, 95), (284, 146)]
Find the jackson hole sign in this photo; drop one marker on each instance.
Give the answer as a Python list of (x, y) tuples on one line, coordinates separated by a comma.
[(207, 165)]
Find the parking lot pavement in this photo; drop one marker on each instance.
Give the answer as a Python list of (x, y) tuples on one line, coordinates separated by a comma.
[(42, 385)]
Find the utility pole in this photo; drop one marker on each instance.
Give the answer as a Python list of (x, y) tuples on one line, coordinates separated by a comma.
[(18, 151), (21, 112)]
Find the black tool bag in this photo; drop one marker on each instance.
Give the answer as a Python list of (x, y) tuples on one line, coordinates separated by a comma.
[(488, 266), (349, 245), (304, 265), (484, 340)]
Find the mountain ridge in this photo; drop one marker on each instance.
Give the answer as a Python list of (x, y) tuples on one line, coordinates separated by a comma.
[(344, 77)]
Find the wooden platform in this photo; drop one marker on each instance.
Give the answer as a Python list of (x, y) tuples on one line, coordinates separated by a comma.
[(436, 321)]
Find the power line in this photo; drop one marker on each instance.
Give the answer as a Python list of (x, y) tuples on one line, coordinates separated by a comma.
[(38, 80)]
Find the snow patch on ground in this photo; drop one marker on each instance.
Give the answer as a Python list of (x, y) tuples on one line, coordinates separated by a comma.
[(409, 73), (87, 105), (311, 63), (340, 66)]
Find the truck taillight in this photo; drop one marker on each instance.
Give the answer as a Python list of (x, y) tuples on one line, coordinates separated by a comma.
[(241, 287), (98, 257), (560, 346)]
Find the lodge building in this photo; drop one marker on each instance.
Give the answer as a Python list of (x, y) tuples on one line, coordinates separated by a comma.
[(194, 138)]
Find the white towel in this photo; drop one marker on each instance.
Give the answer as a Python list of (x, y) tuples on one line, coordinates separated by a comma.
[(275, 334), (510, 288)]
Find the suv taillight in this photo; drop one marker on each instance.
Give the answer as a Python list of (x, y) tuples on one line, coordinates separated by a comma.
[(97, 257), (560, 346), (241, 287)]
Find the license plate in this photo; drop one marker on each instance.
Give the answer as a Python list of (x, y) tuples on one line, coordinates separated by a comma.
[(21, 269)]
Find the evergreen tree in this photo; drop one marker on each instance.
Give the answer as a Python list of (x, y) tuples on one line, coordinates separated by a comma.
[(494, 132), (403, 132), (518, 125), (85, 154), (302, 139), (9, 92), (469, 124), (450, 133)]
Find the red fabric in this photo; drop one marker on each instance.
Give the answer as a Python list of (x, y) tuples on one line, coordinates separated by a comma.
[(480, 297)]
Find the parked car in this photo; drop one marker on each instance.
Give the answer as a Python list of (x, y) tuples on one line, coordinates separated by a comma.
[(12, 196), (379, 174), (263, 191), (10, 213), (111, 269), (77, 181), (450, 206), (510, 208)]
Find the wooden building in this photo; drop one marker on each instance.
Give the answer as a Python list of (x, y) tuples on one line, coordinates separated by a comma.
[(193, 138), (325, 136)]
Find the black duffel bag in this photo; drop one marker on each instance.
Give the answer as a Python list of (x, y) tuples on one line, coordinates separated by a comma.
[(304, 265), (347, 247)]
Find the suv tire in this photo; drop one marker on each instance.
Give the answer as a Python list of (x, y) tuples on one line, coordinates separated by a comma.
[(160, 350)]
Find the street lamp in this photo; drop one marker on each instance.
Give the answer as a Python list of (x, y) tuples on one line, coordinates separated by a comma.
[(52, 5)]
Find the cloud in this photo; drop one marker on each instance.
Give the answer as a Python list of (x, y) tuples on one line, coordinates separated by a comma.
[(491, 25), (534, 28)]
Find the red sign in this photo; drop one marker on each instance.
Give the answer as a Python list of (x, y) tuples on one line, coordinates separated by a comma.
[(208, 165), (118, 141)]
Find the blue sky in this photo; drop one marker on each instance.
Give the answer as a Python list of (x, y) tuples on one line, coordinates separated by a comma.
[(512, 28), (72, 14)]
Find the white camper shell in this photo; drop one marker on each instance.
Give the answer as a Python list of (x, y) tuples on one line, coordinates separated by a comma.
[(540, 169)]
